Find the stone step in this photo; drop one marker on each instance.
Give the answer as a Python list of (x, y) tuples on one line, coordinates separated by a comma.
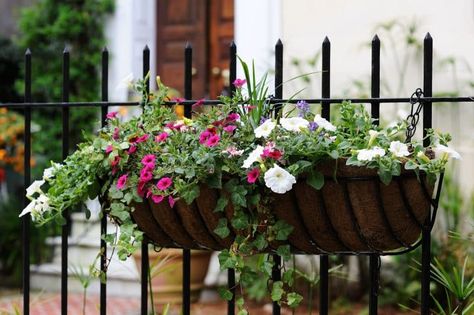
[(47, 277)]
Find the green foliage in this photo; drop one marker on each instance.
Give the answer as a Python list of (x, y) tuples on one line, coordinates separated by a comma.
[(47, 27)]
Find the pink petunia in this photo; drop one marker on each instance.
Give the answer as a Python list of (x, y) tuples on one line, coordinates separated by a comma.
[(146, 175), (198, 103), (122, 181), (253, 175), (109, 149), (111, 115), (141, 188), (148, 159), (230, 128), (115, 161), (233, 117), (212, 141), (171, 201), (132, 149), (238, 83), (272, 153), (164, 183), (116, 133), (142, 138), (204, 136), (161, 137), (157, 198)]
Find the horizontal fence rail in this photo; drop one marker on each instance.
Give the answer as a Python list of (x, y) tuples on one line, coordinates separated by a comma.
[(375, 100)]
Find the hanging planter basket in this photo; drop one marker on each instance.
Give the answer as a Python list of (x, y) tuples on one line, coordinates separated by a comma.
[(353, 213)]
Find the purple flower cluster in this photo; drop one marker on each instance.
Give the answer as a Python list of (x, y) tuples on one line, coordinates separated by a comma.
[(313, 125), (303, 108)]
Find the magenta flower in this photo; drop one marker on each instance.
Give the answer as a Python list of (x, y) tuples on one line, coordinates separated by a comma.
[(164, 183), (178, 99), (161, 137), (157, 198), (230, 128), (198, 103), (204, 136), (115, 135), (122, 181), (132, 149), (238, 83), (141, 188), (171, 201), (142, 138), (146, 175), (233, 117), (111, 115), (115, 161), (212, 141), (148, 159), (109, 149), (272, 153), (253, 175)]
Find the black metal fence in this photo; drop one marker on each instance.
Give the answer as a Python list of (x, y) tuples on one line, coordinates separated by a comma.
[(375, 100)]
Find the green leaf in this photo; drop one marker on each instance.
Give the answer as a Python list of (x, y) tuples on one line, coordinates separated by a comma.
[(242, 312), (277, 291), (221, 204), (260, 242), (316, 180), (284, 252), (226, 260), (334, 154), (385, 176), (254, 199), (215, 181), (239, 302), (293, 299), (190, 194), (222, 230), (240, 220), (288, 276), (225, 294), (283, 230), (409, 165)]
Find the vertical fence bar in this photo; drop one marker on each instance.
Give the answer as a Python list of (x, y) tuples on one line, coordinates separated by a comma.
[(325, 113), (374, 259), (232, 77), (427, 123), (276, 273), (144, 262), (26, 183), (188, 94), (65, 149), (103, 220)]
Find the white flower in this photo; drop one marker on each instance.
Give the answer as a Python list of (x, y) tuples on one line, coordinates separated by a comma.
[(126, 82), (35, 187), (370, 154), (28, 208), (254, 156), (323, 123), (279, 180), (265, 129), (294, 123), (399, 149), (444, 152), (93, 205)]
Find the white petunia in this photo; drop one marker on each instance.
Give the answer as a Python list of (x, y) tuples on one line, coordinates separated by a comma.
[(323, 123), (279, 180), (254, 156), (444, 152), (28, 208), (49, 172), (265, 129), (93, 205), (35, 187), (294, 123), (370, 154), (399, 149), (126, 82)]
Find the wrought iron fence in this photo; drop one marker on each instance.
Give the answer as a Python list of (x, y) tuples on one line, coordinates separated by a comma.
[(375, 100)]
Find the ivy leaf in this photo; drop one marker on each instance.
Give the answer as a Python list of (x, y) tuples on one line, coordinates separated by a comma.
[(266, 268), (277, 291), (240, 220), (288, 276), (385, 176), (190, 194), (283, 230), (293, 299), (284, 252), (409, 165), (316, 180), (242, 312), (221, 204), (260, 242), (215, 181), (222, 230), (226, 260), (225, 294)]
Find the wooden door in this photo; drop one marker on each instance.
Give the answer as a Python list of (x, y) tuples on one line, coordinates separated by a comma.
[(209, 26)]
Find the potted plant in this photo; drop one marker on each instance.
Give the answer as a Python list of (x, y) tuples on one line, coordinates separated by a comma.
[(245, 178)]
